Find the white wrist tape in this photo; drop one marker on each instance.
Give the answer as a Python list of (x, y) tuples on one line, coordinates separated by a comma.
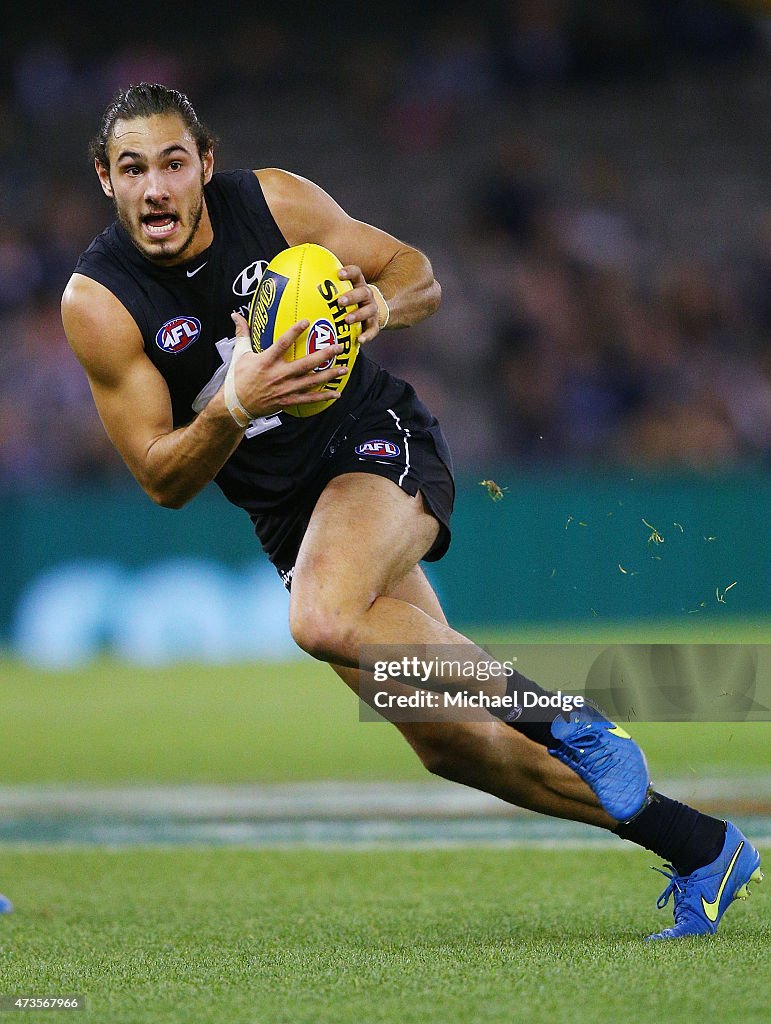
[(381, 305), (240, 415)]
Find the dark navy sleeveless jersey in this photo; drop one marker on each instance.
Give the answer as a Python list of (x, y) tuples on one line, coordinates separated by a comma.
[(184, 311)]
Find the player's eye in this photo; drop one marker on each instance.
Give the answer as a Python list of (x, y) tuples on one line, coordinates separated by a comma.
[(175, 165)]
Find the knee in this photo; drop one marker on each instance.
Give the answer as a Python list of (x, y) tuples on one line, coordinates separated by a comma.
[(322, 632)]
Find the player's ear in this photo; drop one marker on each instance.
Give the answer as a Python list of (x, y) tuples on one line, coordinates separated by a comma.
[(208, 166), (104, 177)]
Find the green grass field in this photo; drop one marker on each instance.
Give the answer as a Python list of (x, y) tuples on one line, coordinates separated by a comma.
[(200, 935), (292, 937), (271, 723), (114, 722)]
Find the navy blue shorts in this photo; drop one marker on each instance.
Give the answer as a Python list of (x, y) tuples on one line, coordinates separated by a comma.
[(393, 435)]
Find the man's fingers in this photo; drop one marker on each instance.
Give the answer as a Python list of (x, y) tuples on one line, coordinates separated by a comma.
[(372, 331), (282, 343), (354, 296), (363, 313), (242, 327), (367, 312), (333, 373), (308, 388), (361, 295), (299, 367), (316, 379), (353, 274), (363, 299), (306, 397)]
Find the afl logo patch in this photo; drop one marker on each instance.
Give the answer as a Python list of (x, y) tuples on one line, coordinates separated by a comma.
[(178, 334), (321, 335), (379, 449)]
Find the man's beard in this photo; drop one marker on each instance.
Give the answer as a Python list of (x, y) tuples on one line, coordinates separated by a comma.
[(153, 254)]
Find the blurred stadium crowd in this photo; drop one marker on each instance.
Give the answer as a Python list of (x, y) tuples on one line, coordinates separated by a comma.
[(590, 181)]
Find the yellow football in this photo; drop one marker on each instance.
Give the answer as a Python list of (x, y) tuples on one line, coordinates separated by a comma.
[(301, 283)]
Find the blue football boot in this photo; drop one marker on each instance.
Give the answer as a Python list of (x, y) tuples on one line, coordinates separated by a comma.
[(606, 757), (702, 897), (5, 905)]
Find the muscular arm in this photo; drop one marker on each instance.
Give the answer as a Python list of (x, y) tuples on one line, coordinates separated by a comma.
[(133, 400), (305, 213)]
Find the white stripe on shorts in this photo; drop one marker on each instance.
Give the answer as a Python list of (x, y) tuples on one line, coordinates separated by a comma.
[(406, 435)]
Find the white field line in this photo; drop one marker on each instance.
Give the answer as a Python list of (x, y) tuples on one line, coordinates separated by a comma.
[(325, 800)]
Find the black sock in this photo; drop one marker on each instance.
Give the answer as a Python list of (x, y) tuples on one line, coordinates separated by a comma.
[(686, 838), (535, 723)]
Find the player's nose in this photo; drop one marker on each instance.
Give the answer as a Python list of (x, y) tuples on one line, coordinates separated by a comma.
[(155, 190)]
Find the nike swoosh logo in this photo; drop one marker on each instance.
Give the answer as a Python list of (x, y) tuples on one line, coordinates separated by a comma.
[(192, 273), (711, 909), (621, 733)]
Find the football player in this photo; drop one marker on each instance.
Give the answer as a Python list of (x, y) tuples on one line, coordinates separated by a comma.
[(150, 312)]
